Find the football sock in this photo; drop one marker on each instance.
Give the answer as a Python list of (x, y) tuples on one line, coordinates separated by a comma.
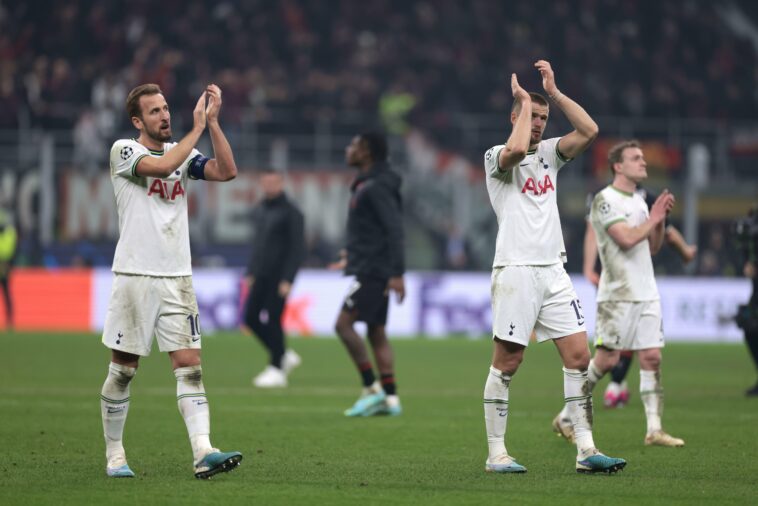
[(620, 370), (593, 375), (373, 388), (496, 410), (388, 384), (114, 405), (367, 373), (392, 401), (651, 392), (193, 405), (578, 398)]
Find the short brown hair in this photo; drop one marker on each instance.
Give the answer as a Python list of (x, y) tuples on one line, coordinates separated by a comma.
[(616, 153), (536, 99), (132, 100)]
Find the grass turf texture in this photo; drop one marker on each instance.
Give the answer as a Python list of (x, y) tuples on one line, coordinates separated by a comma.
[(299, 448)]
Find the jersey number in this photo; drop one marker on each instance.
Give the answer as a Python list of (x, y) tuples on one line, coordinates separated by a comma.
[(578, 310), (194, 321)]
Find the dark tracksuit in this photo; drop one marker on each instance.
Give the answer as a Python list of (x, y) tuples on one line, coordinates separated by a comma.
[(278, 250), (375, 237)]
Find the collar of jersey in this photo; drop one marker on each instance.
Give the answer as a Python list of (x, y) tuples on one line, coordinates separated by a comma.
[(531, 151), (622, 192), (153, 151)]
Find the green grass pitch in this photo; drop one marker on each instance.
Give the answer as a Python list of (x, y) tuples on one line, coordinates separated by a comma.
[(299, 449)]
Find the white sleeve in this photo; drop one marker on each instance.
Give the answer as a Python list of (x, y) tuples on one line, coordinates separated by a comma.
[(492, 160), (125, 154), (552, 151), (606, 213)]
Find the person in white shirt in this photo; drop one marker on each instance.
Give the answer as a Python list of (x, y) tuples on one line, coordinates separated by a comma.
[(530, 286), (152, 288), (628, 303)]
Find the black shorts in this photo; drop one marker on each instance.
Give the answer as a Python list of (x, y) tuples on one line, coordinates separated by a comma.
[(368, 297)]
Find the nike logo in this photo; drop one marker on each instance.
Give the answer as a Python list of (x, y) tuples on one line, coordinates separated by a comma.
[(115, 410), (195, 339), (523, 165)]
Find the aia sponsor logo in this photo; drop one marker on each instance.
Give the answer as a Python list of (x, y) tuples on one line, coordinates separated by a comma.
[(161, 189), (537, 187)]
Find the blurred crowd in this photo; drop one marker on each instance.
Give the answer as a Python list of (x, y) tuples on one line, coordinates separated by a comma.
[(283, 64), (312, 57)]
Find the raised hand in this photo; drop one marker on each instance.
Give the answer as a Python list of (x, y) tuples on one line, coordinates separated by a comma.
[(662, 206), (548, 77), (519, 93), (214, 102), (199, 113)]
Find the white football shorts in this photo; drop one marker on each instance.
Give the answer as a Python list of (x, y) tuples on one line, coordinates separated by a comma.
[(145, 306), (534, 297), (629, 325)]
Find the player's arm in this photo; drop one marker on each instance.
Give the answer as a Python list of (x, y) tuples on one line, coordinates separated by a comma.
[(295, 244), (518, 143), (627, 237), (676, 240), (585, 130), (163, 166), (391, 219), (590, 255), (222, 167)]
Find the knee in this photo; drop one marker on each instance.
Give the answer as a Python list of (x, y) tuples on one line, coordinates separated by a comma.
[(578, 359), (511, 364), (122, 375), (192, 375), (507, 357), (341, 327), (651, 360)]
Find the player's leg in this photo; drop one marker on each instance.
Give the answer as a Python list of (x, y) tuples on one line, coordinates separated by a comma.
[(289, 358), (515, 305), (361, 303), (128, 333), (193, 406), (273, 376), (751, 339), (506, 358), (561, 319), (372, 394), (275, 307), (601, 363), (578, 399), (178, 334), (385, 362), (617, 393), (648, 340), (651, 393), (114, 406), (254, 314)]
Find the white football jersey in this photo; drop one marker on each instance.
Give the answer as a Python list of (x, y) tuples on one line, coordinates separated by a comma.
[(152, 214), (626, 275), (524, 200)]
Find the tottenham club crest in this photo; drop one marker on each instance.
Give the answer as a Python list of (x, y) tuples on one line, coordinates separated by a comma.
[(126, 152)]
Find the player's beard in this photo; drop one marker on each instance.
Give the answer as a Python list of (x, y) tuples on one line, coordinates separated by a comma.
[(160, 135)]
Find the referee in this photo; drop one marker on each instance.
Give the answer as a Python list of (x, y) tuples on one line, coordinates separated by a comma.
[(278, 251), (374, 255)]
